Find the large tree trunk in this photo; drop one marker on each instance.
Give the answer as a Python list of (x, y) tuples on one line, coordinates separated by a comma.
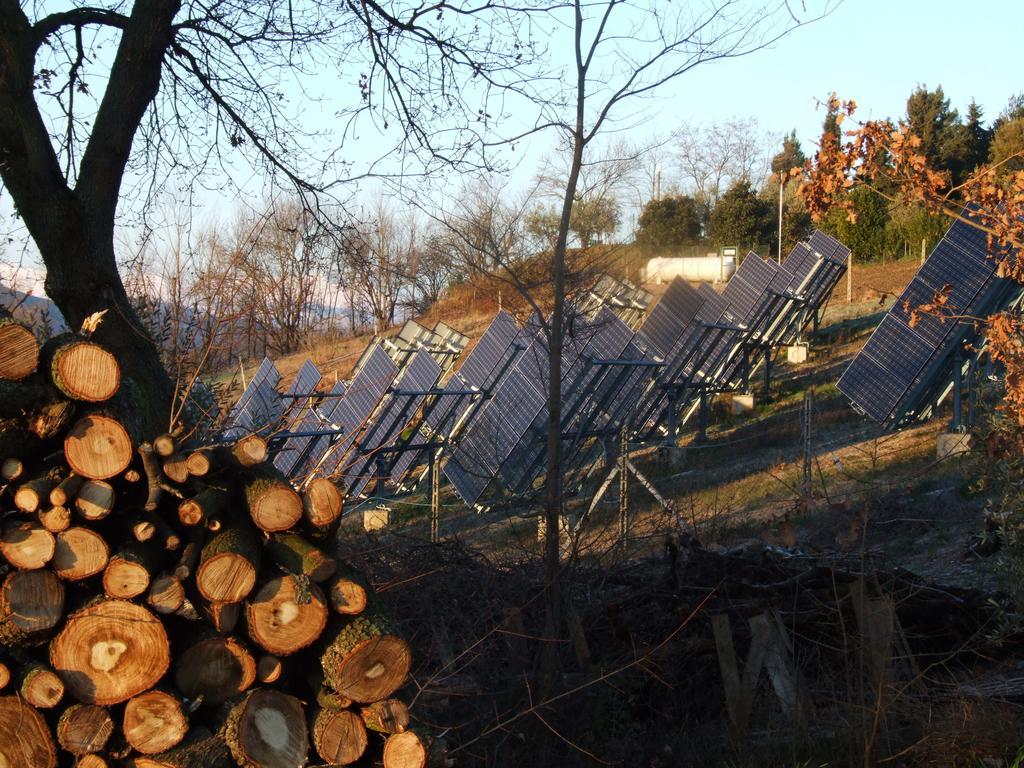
[(73, 228)]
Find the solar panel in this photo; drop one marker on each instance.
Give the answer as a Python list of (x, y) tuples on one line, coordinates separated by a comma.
[(259, 407), (746, 288), (361, 398), (670, 316), (291, 451), (394, 416), (893, 373)]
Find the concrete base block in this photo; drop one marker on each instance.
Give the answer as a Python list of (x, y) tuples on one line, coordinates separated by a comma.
[(742, 404), (797, 354), (376, 519), (953, 444)]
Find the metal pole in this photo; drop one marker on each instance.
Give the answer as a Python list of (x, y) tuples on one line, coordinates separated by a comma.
[(782, 186), (955, 423), (623, 490), (849, 278), (702, 416), (435, 499), (924, 248), (972, 390), (807, 413), (767, 370)]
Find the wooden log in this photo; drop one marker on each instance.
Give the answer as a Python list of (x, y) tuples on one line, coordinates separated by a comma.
[(268, 669), (11, 469), (166, 594), (339, 736), (267, 729), (81, 369), (164, 445), (110, 651), (200, 749), (223, 617), (129, 571), (91, 761), (207, 504), (25, 740), (412, 749), (228, 565), (54, 519), (328, 699), (216, 669), (143, 529), (286, 615), (388, 716), (175, 468), (321, 504), (66, 490), (347, 596), (296, 555), (26, 544), (5, 675), (366, 661), (199, 463), (40, 686), (190, 554), (248, 451), (79, 554), (31, 605), (98, 447), (273, 504), (19, 349), (154, 722), (95, 499), (84, 729), (51, 419), (30, 495), (131, 475)]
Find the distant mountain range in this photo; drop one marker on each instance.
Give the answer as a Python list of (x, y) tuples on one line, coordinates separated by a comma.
[(22, 291)]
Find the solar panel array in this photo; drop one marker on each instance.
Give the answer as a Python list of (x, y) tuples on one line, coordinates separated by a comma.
[(911, 354), (488, 421)]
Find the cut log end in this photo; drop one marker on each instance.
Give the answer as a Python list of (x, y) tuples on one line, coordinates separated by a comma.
[(286, 615), (110, 651), (154, 722), (25, 740), (79, 554), (41, 687), (406, 750), (84, 729), (20, 350), (339, 736), (85, 371), (166, 594), (55, 519), (216, 669), (388, 716), (27, 545), (321, 503), (366, 664), (95, 499), (31, 604), (347, 597), (268, 669), (268, 728), (98, 447)]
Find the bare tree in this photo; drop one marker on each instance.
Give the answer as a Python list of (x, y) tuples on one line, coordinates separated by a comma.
[(375, 260), (714, 156), (622, 53), (162, 93)]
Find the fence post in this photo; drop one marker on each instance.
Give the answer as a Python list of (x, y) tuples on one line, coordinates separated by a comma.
[(849, 278)]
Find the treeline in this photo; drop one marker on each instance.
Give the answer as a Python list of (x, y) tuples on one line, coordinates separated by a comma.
[(886, 225)]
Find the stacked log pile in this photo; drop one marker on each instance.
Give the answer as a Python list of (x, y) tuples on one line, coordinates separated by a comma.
[(170, 606)]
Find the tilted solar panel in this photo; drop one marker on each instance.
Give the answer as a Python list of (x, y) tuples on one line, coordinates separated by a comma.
[(259, 407), (670, 316), (897, 368), (394, 416)]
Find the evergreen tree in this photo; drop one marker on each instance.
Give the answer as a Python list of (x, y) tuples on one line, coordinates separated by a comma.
[(791, 155), (741, 218), (671, 221)]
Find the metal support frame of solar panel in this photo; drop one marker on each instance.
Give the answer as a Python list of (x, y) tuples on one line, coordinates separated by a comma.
[(361, 399), (487, 360), (893, 378), (258, 409), (382, 439), (299, 399), (603, 338), (508, 414)]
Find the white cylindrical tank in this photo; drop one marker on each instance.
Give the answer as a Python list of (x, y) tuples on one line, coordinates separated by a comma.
[(699, 269)]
